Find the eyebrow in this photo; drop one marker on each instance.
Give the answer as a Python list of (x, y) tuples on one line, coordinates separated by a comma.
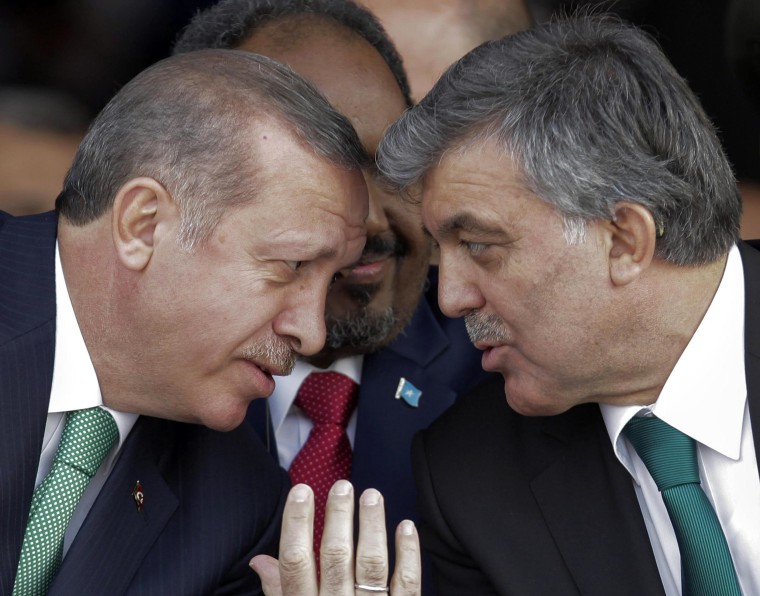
[(466, 222), (314, 249)]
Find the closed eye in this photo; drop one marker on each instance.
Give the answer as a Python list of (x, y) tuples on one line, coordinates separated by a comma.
[(294, 265), (474, 248)]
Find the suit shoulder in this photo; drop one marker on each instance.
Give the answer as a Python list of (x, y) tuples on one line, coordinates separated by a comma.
[(27, 261)]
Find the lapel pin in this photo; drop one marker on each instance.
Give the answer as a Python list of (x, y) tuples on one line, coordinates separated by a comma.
[(138, 495), (408, 392)]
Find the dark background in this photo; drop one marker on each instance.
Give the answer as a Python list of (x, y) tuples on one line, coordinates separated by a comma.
[(89, 48)]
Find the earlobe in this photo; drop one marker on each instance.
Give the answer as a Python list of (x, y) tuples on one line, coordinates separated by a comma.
[(136, 212), (633, 238)]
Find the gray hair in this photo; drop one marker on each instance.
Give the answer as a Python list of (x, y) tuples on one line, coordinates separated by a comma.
[(186, 122), (592, 113)]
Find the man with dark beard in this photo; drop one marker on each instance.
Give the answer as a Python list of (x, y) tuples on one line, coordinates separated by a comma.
[(343, 50)]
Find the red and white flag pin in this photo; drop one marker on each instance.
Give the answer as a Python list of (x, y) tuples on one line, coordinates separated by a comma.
[(138, 495)]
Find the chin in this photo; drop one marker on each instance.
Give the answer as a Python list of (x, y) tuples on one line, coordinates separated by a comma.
[(531, 403), (225, 420)]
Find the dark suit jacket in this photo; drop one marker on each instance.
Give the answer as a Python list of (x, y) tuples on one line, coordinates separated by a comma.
[(533, 506), (212, 500), (435, 355)]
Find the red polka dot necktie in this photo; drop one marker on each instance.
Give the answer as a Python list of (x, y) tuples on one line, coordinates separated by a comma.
[(328, 398)]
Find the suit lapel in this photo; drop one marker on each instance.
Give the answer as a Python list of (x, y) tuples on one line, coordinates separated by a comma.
[(751, 264), (258, 417), (590, 507), (382, 418), (115, 534)]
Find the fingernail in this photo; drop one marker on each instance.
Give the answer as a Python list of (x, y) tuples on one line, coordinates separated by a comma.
[(299, 493), (341, 488), (407, 527), (370, 497)]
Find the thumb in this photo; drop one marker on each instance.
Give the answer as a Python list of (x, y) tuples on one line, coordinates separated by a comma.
[(268, 569)]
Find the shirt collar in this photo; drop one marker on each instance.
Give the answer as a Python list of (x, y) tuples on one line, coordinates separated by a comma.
[(75, 383), (705, 394), (287, 387)]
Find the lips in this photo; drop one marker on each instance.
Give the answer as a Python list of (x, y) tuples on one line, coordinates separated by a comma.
[(368, 269), (261, 378), (493, 356)]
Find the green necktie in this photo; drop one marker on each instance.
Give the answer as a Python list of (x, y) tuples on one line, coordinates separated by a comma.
[(671, 458), (87, 438)]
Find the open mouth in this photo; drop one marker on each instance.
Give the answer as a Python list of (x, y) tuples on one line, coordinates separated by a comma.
[(259, 379), (269, 370), (263, 369)]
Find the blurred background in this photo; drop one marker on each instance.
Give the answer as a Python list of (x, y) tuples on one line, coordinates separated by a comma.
[(60, 62)]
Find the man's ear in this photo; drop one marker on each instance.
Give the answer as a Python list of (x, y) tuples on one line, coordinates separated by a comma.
[(632, 235), (140, 205)]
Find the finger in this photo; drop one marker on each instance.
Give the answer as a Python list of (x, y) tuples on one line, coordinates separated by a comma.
[(336, 554), (407, 575), (298, 572), (269, 572), (372, 549)]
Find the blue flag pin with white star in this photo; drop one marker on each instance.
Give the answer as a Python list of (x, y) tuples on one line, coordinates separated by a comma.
[(408, 392)]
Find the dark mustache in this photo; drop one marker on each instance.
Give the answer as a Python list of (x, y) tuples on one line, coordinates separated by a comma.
[(385, 244)]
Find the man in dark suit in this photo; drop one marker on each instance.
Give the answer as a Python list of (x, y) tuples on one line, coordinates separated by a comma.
[(181, 272), (382, 332), (588, 222)]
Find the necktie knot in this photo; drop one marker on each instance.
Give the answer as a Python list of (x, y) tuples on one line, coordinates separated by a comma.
[(87, 438), (669, 455), (328, 398)]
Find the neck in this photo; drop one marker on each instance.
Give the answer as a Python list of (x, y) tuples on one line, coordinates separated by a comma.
[(89, 268), (669, 306)]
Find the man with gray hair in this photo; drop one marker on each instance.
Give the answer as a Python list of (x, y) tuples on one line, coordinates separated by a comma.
[(181, 272), (392, 362), (588, 222)]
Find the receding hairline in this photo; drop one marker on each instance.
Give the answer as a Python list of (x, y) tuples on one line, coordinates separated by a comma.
[(292, 32)]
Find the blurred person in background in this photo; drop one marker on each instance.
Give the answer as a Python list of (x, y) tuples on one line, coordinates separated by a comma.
[(432, 34), (40, 130), (743, 54)]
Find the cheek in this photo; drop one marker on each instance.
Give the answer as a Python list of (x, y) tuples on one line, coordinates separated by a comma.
[(529, 308), (235, 312)]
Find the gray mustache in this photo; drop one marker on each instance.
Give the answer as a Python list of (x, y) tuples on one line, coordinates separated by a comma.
[(482, 327)]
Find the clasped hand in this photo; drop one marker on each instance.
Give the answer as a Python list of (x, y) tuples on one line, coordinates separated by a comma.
[(343, 572)]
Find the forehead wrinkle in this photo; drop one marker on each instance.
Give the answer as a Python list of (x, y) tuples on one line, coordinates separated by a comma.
[(319, 248)]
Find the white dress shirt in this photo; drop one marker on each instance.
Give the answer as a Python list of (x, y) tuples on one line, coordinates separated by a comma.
[(75, 387), (705, 397), (291, 426)]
